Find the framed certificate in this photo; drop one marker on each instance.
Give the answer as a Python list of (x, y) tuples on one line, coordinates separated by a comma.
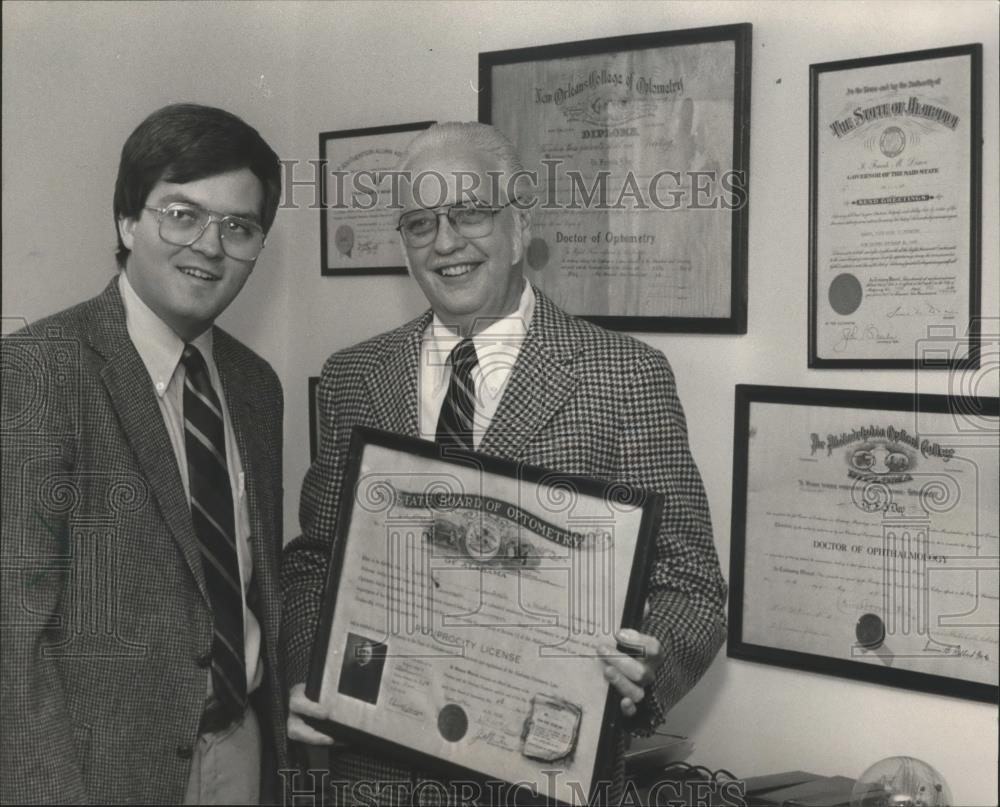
[(895, 209), (640, 151), (357, 212), (865, 536), (466, 601)]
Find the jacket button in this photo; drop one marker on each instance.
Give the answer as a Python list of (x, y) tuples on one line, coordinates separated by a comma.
[(185, 751), (204, 660)]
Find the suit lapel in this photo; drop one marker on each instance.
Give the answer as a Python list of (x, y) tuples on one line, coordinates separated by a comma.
[(129, 386), (393, 385), (540, 383)]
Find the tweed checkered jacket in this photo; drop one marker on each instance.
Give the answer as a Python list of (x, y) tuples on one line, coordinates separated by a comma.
[(106, 618), (579, 400)]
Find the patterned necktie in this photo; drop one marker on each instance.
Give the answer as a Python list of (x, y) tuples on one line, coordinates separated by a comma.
[(212, 513), (454, 426)]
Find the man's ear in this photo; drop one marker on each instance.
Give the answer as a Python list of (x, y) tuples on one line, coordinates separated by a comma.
[(522, 233), (126, 229)]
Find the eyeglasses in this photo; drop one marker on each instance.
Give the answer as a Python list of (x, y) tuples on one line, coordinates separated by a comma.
[(420, 227), (181, 224)]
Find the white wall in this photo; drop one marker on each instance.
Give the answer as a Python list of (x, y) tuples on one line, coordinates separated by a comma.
[(78, 78)]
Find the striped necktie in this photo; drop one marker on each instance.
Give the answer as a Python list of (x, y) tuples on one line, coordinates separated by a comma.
[(214, 526), (458, 412)]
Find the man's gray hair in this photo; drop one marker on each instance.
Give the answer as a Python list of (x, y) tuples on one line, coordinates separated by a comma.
[(482, 137)]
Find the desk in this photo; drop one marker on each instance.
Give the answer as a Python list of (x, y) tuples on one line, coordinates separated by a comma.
[(695, 786)]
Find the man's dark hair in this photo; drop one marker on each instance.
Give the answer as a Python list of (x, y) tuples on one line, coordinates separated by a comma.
[(186, 142)]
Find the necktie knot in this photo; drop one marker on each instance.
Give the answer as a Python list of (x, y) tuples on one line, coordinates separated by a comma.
[(463, 357), (193, 361)]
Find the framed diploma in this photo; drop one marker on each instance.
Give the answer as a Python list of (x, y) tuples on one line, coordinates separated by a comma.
[(639, 149), (895, 217), (357, 218), (865, 537), (466, 601)]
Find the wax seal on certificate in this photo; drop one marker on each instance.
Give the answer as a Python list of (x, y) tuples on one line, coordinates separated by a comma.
[(870, 631), (538, 254), (846, 294), (453, 723)]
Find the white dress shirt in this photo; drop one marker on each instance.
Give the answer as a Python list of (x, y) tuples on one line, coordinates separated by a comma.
[(160, 350), (497, 348)]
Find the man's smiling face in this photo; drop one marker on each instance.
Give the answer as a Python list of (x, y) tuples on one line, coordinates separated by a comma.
[(188, 287), (469, 282)]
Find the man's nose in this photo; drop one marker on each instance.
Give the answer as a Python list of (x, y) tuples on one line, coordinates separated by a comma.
[(209, 243), (448, 239)]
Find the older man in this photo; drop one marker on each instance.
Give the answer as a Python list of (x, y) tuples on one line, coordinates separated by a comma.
[(142, 500), (567, 395)]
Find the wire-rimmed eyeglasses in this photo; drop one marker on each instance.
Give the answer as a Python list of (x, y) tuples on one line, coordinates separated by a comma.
[(182, 223)]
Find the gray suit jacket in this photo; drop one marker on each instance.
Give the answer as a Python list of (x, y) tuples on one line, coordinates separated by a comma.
[(106, 618), (579, 400)]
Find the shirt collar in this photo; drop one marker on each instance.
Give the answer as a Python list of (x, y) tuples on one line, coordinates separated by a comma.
[(497, 346), (159, 347)]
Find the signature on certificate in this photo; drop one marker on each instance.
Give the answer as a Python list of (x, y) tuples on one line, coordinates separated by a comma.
[(870, 333), (923, 309)]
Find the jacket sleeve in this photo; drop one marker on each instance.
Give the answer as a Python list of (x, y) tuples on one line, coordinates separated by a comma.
[(687, 593), (38, 748), (305, 559)]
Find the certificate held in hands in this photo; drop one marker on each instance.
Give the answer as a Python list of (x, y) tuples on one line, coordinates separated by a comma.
[(466, 601)]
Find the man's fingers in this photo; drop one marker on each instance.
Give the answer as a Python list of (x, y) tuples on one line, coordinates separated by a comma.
[(622, 682), (637, 670), (632, 669), (299, 707), (643, 649), (298, 703), (628, 707), (302, 732), (647, 647)]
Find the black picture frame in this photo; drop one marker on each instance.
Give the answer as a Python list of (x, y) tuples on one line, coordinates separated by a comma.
[(351, 152), (852, 324), (870, 639), (314, 424), (731, 274), (645, 509)]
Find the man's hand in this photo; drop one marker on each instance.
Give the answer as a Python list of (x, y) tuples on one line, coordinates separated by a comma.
[(631, 674), (299, 707)]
